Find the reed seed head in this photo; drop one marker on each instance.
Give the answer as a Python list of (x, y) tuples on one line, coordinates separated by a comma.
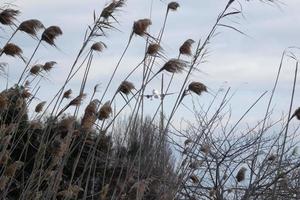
[(31, 26), (26, 94), (3, 102), (96, 88), (111, 8), (4, 158), (90, 116), (195, 164), (92, 107), (50, 34), (70, 193), (126, 87), (140, 26), (35, 69), (48, 66), (194, 179), (174, 66), (105, 111), (297, 113), (39, 107), (186, 47), (12, 168), (7, 16), (13, 50), (241, 174), (104, 191), (67, 94), (187, 141), (205, 148), (197, 87), (173, 6), (98, 46), (77, 101), (272, 157), (36, 125), (153, 49), (66, 124)]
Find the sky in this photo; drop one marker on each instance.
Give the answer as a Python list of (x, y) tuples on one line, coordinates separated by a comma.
[(246, 63)]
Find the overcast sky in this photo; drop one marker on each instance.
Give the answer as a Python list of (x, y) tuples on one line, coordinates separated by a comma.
[(246, 63)]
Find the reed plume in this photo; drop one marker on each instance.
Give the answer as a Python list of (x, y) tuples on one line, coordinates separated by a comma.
[(197, 87), (31, 26), (90, 115), (194, 179), (105, 111), (3, 102), (174, 66), (186, 47), (67, 94), (48, 66), (7, 16), (13, 50), (50, 34), (39, 107), (35, 69), (78, 100), (98, 46), (140, 26), (154, 49), (296, 114), (111, 8), (173, 6), (241, 175), (126, 87)]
